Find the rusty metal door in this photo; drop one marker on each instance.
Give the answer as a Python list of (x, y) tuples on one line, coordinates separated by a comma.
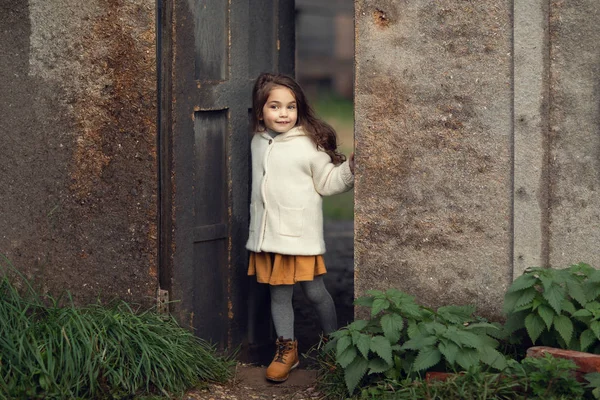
[(210, 52)]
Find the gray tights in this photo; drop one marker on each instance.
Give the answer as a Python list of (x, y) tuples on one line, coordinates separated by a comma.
[(283, 312)]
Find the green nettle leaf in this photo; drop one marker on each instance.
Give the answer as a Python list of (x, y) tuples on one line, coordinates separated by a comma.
[(547, 279), (399, 298), (378, 365), (381, 346), (511, 299), (449, 350), (526, 298), (355, 372), (593, 379), (582, 268), (586, 339), (364, 301), (595, 327), (393, 292), (411, 310), (358, 325), (379, 305), (523, 282), (595, 276), (547, 315), (592, 290), (468, 339), (364, 344), (537, 301), (594, 308), (392, 325), (535, 326), (482, 325), (339, 334), (568, 307), (433, 328), (493, 358), (419, 342), (330, 346), (576, 292), (456, 314), (467, 358), (347, 357), (412, 329), (355, 335), (555, 294), (488, 341), (564, 327), (427, 358), (582, 313), (342, 344), (525, 307)]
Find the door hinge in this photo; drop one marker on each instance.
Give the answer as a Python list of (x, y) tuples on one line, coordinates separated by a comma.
[(162, 301)]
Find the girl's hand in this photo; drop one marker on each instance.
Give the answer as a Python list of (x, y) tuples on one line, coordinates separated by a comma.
[(351, 161)]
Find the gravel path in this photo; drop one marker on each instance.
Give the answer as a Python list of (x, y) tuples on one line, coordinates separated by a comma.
[(249, 383)]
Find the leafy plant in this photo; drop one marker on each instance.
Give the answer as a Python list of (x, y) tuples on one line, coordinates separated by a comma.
[(557, 307), (593, 383), (547, 377), (50, 351), (403, 338), (533, 378)]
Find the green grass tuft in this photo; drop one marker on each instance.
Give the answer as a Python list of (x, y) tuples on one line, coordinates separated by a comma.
[(53, 351)]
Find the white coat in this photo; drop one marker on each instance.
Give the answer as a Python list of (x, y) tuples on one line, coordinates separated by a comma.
[(289, 178)]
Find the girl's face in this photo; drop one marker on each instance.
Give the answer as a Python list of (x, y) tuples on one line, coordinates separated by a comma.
[(280, 112)]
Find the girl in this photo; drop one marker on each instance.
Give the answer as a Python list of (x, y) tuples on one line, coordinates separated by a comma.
[(294, 163)]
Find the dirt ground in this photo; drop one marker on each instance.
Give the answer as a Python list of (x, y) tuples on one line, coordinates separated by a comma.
[(249, 383)]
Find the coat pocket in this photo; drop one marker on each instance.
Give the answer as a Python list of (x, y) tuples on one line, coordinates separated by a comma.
[(291, 221)]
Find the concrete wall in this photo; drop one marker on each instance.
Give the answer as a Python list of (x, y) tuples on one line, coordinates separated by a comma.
[(78, 156), (477, 144), (574, 122)]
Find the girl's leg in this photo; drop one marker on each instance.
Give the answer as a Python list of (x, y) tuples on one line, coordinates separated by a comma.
[(316, 292), (286, 354), (282, 310)]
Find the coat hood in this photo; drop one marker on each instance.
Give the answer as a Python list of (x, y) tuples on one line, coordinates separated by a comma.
[(292, 133)]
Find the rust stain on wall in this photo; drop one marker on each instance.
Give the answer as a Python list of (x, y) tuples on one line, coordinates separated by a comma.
[(115, 158), (380, 18)]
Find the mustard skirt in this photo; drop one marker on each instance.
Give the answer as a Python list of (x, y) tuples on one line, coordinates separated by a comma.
[(282, 269)]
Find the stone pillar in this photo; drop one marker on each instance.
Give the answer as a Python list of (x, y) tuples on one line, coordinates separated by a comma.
[(530, 121), (477, 144), (433, 134), (574, 133)]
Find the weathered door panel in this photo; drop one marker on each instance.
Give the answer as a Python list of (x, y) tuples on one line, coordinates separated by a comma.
[(217, 49)]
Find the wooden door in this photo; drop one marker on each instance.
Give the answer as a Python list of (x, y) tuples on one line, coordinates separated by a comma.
[(210, 53)]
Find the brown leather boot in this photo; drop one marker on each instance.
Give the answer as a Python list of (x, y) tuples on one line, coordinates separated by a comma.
[(286, 359)]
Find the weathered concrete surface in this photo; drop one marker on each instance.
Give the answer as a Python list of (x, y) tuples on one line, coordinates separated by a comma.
[(474, 163), (575, 133), (78, 154), (433, 133), (530, 125)]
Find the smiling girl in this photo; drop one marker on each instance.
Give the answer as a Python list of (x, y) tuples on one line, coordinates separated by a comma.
[(295, 162)]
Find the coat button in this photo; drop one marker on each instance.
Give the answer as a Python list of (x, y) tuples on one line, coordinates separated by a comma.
[(270, 141)]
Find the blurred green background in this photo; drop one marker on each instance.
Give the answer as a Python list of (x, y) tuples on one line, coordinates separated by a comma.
[(339, 113)]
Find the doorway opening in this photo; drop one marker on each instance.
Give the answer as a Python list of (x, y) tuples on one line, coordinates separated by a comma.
[(325, 70)]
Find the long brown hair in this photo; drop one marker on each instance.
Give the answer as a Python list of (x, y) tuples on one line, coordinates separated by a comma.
[(321, 133)]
